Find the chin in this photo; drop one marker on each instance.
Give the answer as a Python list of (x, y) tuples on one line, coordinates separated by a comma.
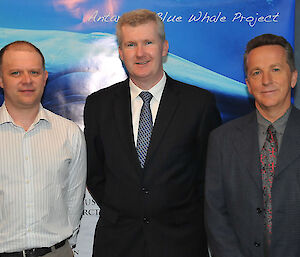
[(140, 76)]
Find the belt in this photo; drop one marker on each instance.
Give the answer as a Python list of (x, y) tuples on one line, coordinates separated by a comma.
[(34, 252)]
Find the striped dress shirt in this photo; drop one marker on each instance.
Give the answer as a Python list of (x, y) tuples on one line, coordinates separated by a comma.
[(42, 181)]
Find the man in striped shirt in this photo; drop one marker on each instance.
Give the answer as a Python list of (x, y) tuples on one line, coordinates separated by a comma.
[(42, 162)]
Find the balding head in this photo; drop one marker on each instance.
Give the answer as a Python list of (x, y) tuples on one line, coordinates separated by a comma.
[(21, 46)]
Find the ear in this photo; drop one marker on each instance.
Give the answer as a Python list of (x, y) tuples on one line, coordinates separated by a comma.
[(248, 86), (120, 53), (46, 77), (1, 81), (165, 48), (294, 78)]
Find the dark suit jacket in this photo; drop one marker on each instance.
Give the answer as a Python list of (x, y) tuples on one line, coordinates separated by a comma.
[(155, 212), (234, 196)]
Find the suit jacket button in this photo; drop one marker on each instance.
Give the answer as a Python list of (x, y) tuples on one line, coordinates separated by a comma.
[(256, 244), (259, 210), (145, 190), (146, 220)]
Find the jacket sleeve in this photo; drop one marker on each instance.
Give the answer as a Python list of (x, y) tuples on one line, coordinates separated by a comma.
[(222, 239), (210, 119), (95, 153)]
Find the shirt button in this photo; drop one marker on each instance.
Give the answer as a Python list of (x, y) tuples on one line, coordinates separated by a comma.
[(256, 244), (259, 210), (26, 158), (146, 220)]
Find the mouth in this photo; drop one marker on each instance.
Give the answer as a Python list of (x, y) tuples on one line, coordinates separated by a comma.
[(27, 91), (269, 91), (142, 63)]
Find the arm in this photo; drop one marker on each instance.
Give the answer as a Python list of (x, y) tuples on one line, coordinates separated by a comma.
[(77, 181), (222, 239), (95, 152), (210, 120)]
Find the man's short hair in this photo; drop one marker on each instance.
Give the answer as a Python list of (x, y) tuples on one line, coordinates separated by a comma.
[(139, 17), (20, 45), (270, 39)]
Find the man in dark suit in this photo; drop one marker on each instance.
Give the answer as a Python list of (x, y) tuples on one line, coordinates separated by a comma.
[(150, 193), (252, 205)]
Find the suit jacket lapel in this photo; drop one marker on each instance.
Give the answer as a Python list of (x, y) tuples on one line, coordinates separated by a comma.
[(290, 148), (123, 116), (248, 148), (168, 104)]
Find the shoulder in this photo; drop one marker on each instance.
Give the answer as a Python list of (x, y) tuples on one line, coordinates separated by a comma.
[(189, 90), (60, 123), (294, 119), (295, 113), (66, 132), (191, 96), (242, 123)]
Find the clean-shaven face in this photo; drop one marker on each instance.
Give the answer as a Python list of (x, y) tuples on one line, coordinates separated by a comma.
[(141, 51), (22, 78), (269, 78)]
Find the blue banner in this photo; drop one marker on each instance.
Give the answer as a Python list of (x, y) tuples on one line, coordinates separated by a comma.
[(77, 37)]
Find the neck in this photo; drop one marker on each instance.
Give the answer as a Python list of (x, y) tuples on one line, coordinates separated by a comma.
[(23, 117), (272, 115), (146, 84)]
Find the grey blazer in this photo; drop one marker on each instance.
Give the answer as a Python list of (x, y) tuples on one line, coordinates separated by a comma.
[(234, 195)]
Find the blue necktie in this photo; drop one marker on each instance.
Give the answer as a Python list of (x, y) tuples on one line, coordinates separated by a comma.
[(145, 128)]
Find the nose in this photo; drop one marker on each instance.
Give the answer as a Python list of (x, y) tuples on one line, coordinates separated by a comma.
[(26, 78), (266, 78), (140, 50)]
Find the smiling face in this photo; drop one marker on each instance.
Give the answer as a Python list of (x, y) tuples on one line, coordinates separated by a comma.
[(22, 78), (141, 51), (269, 80)]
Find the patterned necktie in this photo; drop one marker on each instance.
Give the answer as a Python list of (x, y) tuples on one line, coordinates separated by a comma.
[(145, 128), (268, 163)]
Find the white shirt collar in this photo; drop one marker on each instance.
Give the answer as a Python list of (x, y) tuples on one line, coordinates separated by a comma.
[(156, 90), (6, 118)]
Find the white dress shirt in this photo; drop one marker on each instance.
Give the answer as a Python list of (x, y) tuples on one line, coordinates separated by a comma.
[(137, 102), (42, 181)]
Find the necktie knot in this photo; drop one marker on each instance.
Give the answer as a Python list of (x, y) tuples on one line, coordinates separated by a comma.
[(146, 96), (271, 134), (271, 129)]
